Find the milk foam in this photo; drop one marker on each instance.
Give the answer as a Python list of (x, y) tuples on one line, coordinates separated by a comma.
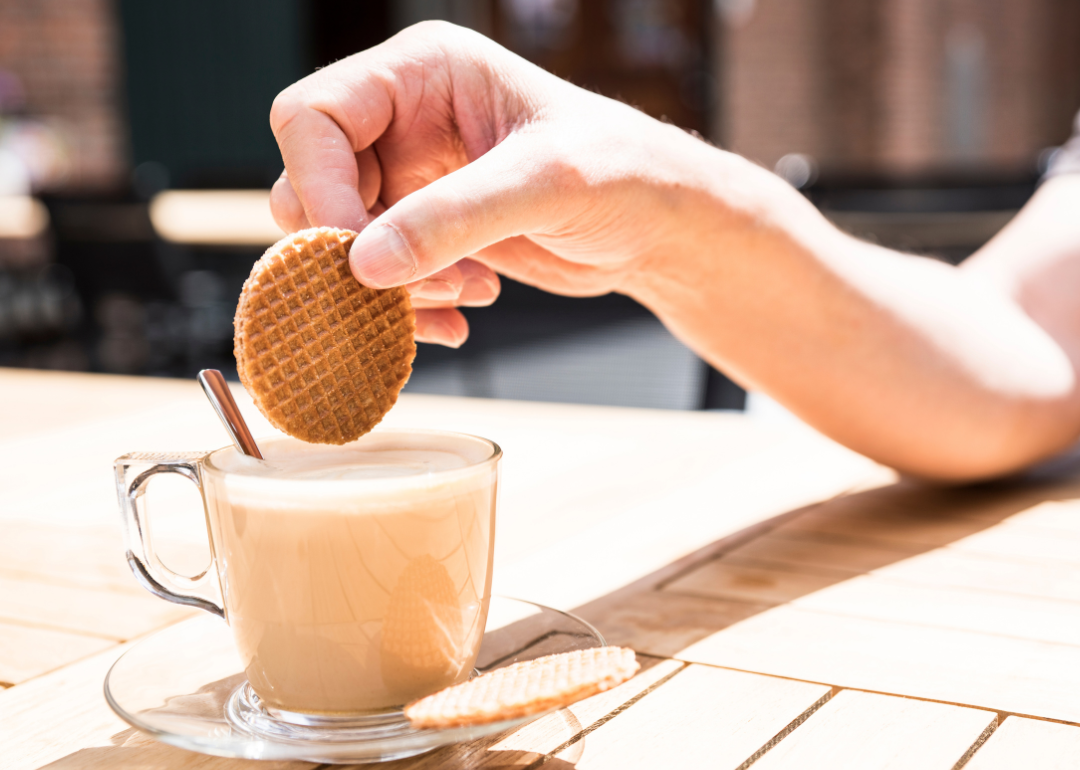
[(377, 463), (388, 463)]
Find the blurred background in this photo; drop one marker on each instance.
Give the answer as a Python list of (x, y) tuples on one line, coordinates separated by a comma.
[(136, 157)]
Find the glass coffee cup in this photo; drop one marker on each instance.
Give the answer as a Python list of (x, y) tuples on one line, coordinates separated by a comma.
[(354, 579)]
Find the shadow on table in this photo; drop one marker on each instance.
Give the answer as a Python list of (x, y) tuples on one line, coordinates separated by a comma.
[(963, 537), (788, 557), (133, 750)]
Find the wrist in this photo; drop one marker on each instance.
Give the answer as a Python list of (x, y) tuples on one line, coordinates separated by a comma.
[(743, 248), (721, 209)]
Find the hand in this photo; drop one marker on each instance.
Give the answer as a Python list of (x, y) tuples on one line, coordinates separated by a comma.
[(455, 158)]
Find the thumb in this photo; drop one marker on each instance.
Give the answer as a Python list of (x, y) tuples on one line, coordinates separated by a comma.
[(501, 194)]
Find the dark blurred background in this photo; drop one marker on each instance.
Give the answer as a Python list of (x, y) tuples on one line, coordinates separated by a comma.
[(135, 156)]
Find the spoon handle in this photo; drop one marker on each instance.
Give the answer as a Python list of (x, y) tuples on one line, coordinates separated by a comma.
[(217, 390)]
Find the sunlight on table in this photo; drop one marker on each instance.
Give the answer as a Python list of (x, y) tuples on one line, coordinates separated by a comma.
[(215, 217)]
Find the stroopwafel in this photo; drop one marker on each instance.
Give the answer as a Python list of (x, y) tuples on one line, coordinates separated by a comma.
[(525, 688), (322, 356)]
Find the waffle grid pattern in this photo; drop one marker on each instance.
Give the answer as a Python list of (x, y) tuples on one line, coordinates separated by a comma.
[(529, 687), (323, 357), (422, 635)]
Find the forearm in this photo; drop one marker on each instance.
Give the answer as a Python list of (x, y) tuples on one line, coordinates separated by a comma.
[(907, 360), (446, 149)]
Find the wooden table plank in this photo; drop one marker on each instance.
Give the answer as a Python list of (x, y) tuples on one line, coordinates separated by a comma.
[(67, 398), (781, 569), (662, 623), (76, 486), (534, 741), (988, 612), (590, 562), (106, 614), (61, 721), (925, 528), (1015, 675), (946, 567), (92, 556), (541, 738), (701, 717), (1020, 742), (863, 731), (215, 217), (929, 515), (1054, 514), (1034, 545), (886, 598), (750, 581), (823, 554), (26, 652)]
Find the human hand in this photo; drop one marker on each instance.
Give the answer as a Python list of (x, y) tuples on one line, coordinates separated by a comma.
[(454, 158)]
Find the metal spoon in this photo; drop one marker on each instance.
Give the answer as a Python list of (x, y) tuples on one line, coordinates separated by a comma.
[(217, 390)]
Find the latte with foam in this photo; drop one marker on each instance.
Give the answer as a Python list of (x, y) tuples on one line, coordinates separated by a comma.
[(355, 578)]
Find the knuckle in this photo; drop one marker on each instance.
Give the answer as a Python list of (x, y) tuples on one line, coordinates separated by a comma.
[(284, 109), (282, 204), (416, 245), (280, 188), (278, 205), (442, 35), (434, 28), (561, 171)]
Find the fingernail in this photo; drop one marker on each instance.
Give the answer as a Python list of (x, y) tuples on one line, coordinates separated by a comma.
[(486, 284), (479, 291), (381, 258), (436, 289), (441, 334)]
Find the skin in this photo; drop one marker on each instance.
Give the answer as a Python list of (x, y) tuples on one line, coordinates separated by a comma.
[(458, 161)]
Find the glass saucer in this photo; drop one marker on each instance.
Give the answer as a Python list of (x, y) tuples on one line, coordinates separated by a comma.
[(185, 686)]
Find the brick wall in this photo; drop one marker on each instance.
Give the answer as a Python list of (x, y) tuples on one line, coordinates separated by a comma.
[(66, 53), (770, 84), (862, 85), (900, 86)]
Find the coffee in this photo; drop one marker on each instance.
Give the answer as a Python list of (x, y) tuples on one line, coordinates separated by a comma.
[(354, 578)]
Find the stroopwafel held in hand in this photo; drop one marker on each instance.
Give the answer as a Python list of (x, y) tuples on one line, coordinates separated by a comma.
[(322, 356)]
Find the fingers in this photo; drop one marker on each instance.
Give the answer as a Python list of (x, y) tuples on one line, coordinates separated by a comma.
[(370, 173), (321, 164), (442, 326), (514, 188), (524, 260), (446, 108), (401, 89), (466, 284), (285, 206), (444, 285), (325, 126), (288, 211)]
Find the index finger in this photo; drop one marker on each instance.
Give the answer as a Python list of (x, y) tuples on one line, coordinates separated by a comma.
[(320, 123)]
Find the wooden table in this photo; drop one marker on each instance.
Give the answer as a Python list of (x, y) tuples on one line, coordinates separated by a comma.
[(792, 604)]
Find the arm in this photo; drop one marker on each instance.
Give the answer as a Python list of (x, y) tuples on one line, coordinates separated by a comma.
[(457, 159), (948, 373)]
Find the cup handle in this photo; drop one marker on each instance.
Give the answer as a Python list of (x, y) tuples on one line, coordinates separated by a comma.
[(133, 472)]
